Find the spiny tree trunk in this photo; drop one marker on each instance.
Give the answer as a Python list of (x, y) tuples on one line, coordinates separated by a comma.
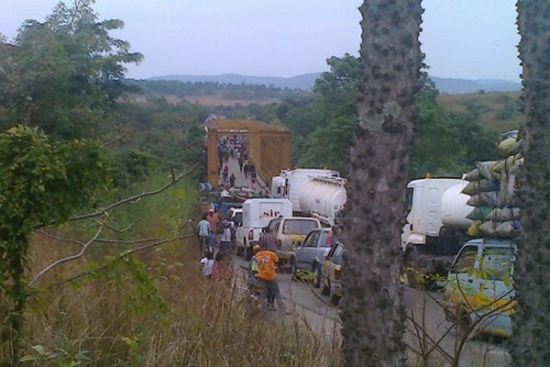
[(373, 314), (532, 327)]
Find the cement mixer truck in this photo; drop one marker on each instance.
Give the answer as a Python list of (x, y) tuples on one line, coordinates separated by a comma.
[(436, 219), (443, 213)]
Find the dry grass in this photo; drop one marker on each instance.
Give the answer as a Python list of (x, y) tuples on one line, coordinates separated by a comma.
[(153, 309)]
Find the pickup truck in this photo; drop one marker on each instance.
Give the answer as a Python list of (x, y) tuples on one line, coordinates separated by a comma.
[(310, 254)]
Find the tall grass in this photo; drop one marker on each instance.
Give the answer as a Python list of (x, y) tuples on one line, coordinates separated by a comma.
[(151, 308)]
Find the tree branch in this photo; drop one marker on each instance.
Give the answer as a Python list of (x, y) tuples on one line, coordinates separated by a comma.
[(66, 259), (159, 241)]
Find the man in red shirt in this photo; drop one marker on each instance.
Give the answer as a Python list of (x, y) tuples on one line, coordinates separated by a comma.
[(267, 277)]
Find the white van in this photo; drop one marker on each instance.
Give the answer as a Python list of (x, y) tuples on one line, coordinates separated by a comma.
[(257, 213)]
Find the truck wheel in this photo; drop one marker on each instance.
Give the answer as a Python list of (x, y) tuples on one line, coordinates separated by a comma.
[(317, 276)]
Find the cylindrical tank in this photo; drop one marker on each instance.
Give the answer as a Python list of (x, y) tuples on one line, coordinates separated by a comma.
[(323, 197), (454, 208)]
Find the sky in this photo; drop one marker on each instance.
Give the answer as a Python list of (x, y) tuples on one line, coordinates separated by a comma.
[(465, 39)]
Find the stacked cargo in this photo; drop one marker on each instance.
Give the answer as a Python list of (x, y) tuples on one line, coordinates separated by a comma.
[(492, 190)]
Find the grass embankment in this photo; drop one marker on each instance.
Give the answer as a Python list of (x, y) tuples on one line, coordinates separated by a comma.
[(151, 308)]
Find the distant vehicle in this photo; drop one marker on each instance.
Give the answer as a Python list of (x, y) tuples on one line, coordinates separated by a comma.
[(329, 275), (235, 215), (310, 254), (289, 232), (479, 296)]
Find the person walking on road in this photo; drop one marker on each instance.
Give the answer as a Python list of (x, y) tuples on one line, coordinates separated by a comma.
[(232, 180), (267, 277)]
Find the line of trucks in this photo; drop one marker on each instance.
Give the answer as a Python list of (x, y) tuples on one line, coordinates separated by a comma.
[(442, 213), (301, 200)]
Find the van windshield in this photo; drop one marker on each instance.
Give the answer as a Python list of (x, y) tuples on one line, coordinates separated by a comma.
[(299, 226)]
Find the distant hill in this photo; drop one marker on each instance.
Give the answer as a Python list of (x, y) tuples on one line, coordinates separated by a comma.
[(306, 82), (462, 86)]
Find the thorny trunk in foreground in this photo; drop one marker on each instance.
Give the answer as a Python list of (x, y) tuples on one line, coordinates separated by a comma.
[(373, 314), (532, 328)]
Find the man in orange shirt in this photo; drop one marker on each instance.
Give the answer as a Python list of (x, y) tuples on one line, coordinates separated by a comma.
[(267, 277)]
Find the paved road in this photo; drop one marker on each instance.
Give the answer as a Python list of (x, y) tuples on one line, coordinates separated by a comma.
[(241, 180), (313, 310)]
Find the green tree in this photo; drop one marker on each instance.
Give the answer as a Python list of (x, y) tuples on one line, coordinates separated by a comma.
[(373, 312), (336, 93), (40, 184), (64, 74), (532, 327)]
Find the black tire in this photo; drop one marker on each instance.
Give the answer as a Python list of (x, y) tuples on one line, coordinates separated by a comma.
[(325, 289), (317, 277), (248, 253)]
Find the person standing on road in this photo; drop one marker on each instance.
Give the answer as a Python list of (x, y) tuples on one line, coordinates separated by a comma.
[(214, 220), (225, 238), (268, 239), (204, 232), (267, 277)]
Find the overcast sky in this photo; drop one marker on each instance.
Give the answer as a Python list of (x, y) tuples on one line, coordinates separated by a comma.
[(469, 39)]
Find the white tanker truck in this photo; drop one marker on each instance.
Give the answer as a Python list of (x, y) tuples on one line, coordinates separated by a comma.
[(313, 192)]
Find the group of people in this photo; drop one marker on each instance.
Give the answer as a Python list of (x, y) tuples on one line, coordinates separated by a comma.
[(217, 266), (215, 233)]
